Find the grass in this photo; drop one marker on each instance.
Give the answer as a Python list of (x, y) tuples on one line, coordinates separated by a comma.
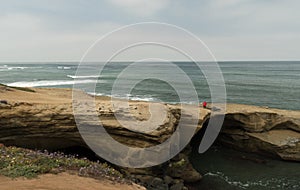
[(18, 162)]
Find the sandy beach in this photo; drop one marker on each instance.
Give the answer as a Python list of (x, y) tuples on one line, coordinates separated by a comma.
[(62, 181)]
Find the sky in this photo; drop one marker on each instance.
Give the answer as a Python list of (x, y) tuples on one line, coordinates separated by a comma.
[(63, 30)]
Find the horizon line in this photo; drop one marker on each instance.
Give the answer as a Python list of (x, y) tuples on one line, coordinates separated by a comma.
[(126, 61)]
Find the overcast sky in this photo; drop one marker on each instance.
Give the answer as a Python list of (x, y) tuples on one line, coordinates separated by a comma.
[(62, 30)]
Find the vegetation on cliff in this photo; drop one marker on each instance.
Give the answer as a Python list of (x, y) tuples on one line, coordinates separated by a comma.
[(20, 162)]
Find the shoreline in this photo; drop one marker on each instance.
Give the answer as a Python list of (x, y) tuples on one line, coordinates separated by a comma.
[(108, 97)]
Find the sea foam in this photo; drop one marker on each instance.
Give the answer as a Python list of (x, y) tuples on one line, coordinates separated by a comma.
[(50, 83)]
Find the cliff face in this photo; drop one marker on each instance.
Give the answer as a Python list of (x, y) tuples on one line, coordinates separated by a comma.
[(265, 131), (44, 119), (39, 126)]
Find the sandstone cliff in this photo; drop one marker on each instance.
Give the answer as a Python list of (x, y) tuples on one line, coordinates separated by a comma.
[(266, 131), (43, 118)]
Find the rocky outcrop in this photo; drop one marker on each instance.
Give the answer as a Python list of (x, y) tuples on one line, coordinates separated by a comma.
[(43, 119), (38, 126), (265, 131)]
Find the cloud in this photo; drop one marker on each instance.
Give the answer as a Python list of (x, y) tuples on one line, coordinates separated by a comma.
[(27, 38), (234, 29), (268, 48), (141, 7)]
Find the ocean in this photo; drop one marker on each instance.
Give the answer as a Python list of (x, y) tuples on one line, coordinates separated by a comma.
[(271, 84)]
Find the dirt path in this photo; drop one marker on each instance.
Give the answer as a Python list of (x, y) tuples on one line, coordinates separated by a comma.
[(63, 181)]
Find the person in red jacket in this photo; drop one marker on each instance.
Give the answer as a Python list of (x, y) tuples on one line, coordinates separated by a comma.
[(204, 104)]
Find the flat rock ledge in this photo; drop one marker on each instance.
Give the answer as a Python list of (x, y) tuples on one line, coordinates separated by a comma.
[(43, 119), (270, 132)]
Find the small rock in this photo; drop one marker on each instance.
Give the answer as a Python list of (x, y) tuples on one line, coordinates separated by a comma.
[(177, 186), (190, 175), (158, 184), (168, 180), (175, 181), (3, 102)]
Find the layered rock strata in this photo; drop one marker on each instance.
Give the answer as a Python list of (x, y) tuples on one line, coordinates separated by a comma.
[(44, 119)]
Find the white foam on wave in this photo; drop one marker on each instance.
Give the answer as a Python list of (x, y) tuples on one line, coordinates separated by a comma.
[(82, 77), (127, 96), (10, 68), (64, 67), (96, 94), (272, 183), (139, 98), (21, 68), (50, 83), (227, 179), (147, 99)]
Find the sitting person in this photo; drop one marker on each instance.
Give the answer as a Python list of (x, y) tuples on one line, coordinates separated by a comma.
[(204, 104)]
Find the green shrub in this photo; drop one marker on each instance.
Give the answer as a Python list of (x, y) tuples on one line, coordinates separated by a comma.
[(17, 162)]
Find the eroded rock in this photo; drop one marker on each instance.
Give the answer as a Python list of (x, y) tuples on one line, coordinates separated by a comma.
[(269, 132), (44, 120)]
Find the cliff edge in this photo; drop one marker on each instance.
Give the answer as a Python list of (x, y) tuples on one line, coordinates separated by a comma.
[(43, 118)]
